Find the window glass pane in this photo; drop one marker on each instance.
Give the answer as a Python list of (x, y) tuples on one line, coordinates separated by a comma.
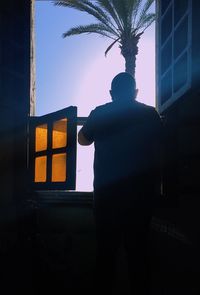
[(41, 138), (59, 134), (59, 168), (166, 56), (166, 87), (164, 5), (181, 37), (41, 169), (180, 73), (180, 8), (166, 27)]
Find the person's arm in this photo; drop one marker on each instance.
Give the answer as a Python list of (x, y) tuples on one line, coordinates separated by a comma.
[(86, 134), (82, 140)]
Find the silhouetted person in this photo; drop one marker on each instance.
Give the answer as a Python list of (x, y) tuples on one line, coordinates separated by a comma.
[(126, 135)]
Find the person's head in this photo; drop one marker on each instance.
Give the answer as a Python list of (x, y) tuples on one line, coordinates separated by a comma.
[(123, 87)]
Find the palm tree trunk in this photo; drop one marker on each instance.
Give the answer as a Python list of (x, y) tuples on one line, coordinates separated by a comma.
[(129, 50), (130, 64)]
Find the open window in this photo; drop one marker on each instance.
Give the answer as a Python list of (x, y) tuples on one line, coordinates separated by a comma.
[(174, 51), (53, 146)]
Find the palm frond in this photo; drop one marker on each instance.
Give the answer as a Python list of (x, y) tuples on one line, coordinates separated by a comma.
[(111, 45), (92, 28), (110, 9), (136, 8), (130, 7), (104, 17), (90, 8), (145, 22), (122, 11), (101, 12), (67, 3), (146, 7), (123, 21), (143, 12)]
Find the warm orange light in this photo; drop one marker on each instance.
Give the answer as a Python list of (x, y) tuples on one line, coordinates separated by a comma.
[(41, 138), (59, 168), (59, 136), (41, 169)]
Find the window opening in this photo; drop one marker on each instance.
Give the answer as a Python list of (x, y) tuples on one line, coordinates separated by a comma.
[(66, 76)]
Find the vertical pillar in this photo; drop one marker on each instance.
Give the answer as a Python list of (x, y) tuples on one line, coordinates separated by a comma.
[(32, 61)]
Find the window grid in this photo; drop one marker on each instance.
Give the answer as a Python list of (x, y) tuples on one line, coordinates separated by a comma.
[(165, 67), (49, 153)]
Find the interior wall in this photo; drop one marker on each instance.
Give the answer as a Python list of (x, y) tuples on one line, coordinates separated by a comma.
[(14, 112), (14, 94)]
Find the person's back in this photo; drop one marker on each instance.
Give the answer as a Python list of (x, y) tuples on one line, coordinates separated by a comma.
[(126, 135), (125, 141)]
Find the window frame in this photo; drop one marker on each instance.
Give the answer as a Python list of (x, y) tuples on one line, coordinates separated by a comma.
[(70, 149), (160, 46)]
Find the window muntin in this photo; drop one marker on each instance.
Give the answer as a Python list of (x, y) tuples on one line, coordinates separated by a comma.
[(53, 158), (166, 59), (166, 25), (180, 72), (180, 8), (166, 86), (51, 152), (181, 37), (174, 51), (165, 5)]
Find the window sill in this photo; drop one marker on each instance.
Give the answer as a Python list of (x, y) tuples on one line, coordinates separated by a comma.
[(60, 198)]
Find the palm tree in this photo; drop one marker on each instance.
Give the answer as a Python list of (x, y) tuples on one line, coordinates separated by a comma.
[(123, 21)]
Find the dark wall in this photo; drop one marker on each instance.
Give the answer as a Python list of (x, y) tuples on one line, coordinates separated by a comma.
[(51, 245), (14, 110), (65, 241), (14, 95), (175, 226), (65, 245)]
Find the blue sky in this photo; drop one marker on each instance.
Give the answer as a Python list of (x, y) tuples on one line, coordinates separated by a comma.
[(74, 70)]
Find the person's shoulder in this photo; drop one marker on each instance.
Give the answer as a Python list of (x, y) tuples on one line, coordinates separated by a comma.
[(146, 108), (102, 108), (149, 111), (99, 112)]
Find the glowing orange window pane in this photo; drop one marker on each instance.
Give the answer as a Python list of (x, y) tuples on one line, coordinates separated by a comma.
[(41, 169), (41, 138), (59, 139), (59, 168)]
